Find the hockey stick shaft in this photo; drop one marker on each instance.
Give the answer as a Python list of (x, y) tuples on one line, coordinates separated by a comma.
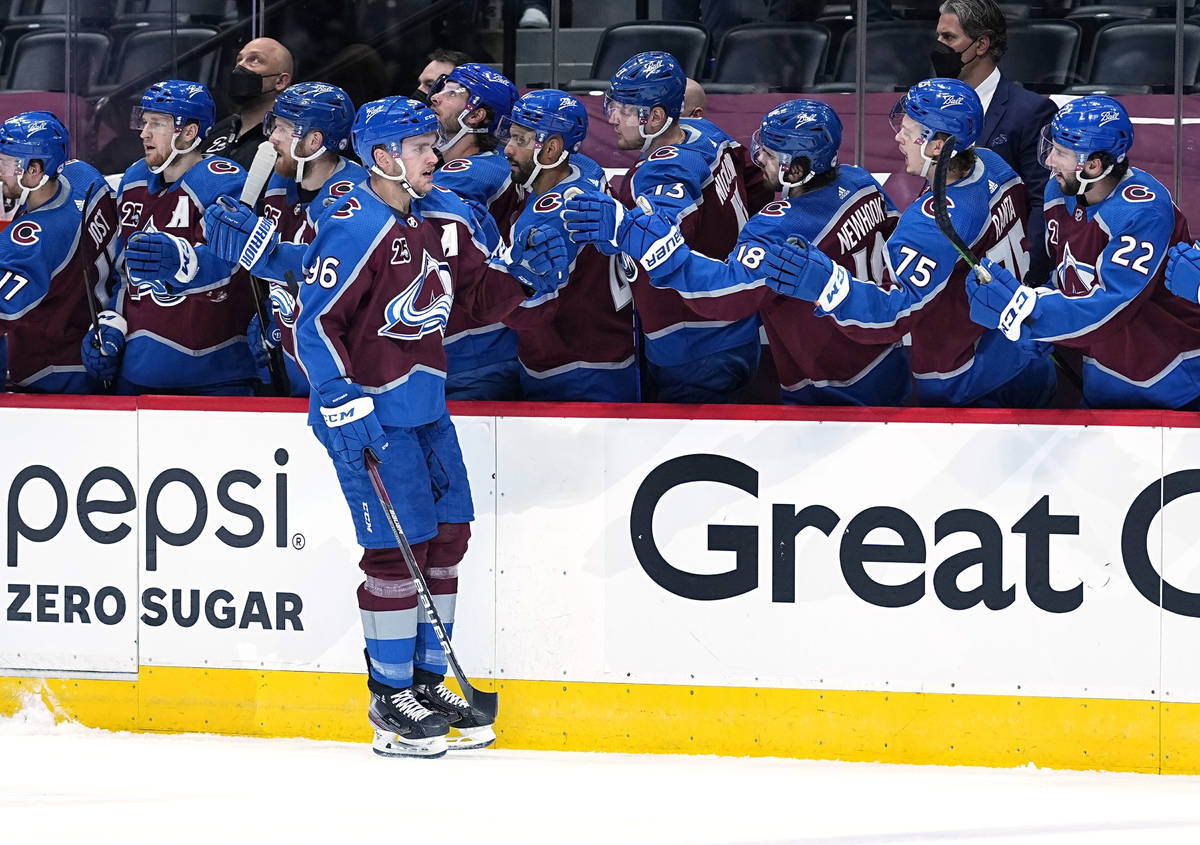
[(256, 180), (485, 702), (88, 293), (941, 215), (941, 212)]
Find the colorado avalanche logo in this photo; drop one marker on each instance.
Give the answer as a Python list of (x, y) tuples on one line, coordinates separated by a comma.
[(927, 205), (340, 189), (457, 166), (159, 295), (222, 167), (548, 202), (25, 233), (424, 306), (1075, 279), (662, 153), (1138, 193), (348, 208), (776, 209)]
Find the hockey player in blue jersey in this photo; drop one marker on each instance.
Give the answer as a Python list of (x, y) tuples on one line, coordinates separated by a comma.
[(56, 252), (470, 101), (180, 311), (386, 264), (1109, 227), (575, 343), (840, 209), (688, 173), (309, 126), (921, 293)]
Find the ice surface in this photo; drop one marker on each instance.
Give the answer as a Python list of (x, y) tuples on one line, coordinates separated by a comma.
[(66, 783)]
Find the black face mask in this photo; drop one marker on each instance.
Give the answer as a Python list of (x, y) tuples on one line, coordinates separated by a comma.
[(420, 96), (245, 85), (947, 62)]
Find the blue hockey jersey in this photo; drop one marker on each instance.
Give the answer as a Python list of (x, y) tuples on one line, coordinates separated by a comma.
[(1108, 297), (193, 343), (955, 361), (849, 220), (575, 344), (377, 295), (295, 214), (51, 259)]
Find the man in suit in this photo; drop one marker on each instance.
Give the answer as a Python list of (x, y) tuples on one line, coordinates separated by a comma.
[(972, 37)]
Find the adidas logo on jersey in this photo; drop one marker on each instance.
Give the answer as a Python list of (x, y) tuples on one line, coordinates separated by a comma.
[(992, 187), (79, 205), (842, 193)]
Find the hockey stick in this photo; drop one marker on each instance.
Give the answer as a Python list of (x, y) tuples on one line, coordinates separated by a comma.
[(256, 180), (88, 293), (941, 213), (941, 216), (486, 703)]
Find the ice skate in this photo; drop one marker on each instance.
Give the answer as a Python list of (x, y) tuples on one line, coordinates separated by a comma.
[(474, 729), (403, 726)]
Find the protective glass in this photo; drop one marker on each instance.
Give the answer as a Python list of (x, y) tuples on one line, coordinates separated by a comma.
[(622, 111), (272, 120), (157, 120), (525, 138), (1054, 156), (914, 132), (764, 156), (442, 85)]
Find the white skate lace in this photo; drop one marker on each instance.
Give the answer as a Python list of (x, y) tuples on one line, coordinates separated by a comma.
[(409, 706), (447, 695)]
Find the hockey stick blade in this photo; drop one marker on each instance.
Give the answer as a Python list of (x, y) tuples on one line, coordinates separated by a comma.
[(941, 213), (260, 172), (486, 703)]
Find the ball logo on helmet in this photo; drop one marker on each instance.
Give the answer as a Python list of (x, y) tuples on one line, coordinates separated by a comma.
[(1108, 116)]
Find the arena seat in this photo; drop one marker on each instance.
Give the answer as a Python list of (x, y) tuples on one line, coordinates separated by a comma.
[(147, 49), (687, 42), (1042, 54), (39, 61), (1139, 54), (769, 57), (897, 57)]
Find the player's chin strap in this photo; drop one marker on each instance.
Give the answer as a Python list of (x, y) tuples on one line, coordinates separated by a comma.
[(25, 192), (929, 162), (302, 160), (649, 139), (788, 187), (402, 178), (538, 167), (175, 151), (1085, 183), (463, 129)]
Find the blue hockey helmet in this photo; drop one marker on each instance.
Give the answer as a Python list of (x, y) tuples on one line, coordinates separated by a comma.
[(1092, 125), (942, 105), (799, 129), (35, 135), (315, 106), (648, 80), (1085, 127), (547, 112), (485, 87), (387, 122), (185, 101)]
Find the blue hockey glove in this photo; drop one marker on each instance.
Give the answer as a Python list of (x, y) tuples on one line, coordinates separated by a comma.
[(164, 263), (653, 241), (595, 218), (102, 353), (1002, 303), (801, 271), (1183, 271), (350, 415), (260, 345), (236, 234), (539, 260)]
